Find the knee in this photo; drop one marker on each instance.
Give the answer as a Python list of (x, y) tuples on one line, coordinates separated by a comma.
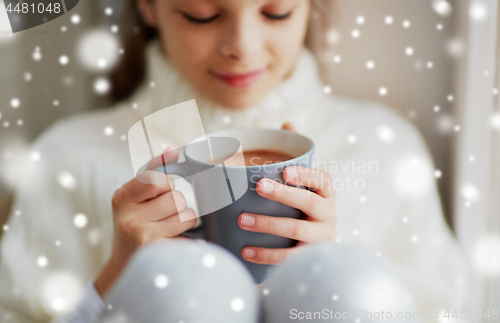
[(333, 281), (190, 281)]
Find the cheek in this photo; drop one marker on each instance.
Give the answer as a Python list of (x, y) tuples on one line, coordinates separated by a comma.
[(188, 49), (284, 45)]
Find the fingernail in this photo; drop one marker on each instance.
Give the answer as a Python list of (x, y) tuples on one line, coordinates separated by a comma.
[(291, 173), (266, 187), (247, 220), (249, 253)]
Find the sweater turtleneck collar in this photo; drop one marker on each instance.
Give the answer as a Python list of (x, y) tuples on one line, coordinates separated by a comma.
[(293, 99)]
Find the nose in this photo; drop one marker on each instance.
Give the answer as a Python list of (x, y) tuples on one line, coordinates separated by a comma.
[(241, 39)]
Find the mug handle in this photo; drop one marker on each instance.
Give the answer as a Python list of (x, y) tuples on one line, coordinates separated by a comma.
[(181, 170)]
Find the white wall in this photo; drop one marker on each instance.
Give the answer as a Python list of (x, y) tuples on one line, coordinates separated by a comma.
[(49, 82), (413, 88)]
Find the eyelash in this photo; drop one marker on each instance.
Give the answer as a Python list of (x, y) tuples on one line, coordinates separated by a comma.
[(277, 17), (198, 21)]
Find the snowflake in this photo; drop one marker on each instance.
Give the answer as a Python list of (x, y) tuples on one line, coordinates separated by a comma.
[(495, 121), (37, 55), (109, 131), (102, 85), (237, 304), (27, 76), (15, 103), (63, 60), (161, 281), (98, 50), (442, 7), (209, 260), (412, 175), (75, 19), (469, 192), (486, 255), (478, 11), (42, 261), (35, 156), (80, 220), (385, 134), (66, 180)]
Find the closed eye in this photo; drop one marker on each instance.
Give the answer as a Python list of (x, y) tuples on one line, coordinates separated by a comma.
[(277, 17), (199, 21)]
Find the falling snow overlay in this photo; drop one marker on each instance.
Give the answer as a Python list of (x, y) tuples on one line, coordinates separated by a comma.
[(403, 111)]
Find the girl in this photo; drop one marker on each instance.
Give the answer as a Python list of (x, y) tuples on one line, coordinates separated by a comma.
[(79, 213)]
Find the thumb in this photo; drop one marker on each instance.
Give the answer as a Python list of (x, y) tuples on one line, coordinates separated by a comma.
[(170, 155), (289, 126)]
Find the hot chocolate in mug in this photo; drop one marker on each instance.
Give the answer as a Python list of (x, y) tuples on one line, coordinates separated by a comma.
[(224, 188)]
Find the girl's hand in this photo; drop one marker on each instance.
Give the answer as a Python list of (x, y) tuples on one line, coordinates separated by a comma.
[(318, 206), (143, 213)]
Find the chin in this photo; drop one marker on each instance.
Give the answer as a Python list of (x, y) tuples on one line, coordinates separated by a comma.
[(237, 102)]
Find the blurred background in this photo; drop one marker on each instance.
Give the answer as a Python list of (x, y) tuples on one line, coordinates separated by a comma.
[(434, 61)]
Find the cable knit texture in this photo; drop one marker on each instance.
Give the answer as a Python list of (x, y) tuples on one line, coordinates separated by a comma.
[(374, 206)]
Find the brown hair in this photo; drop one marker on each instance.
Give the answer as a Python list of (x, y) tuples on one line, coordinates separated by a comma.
[(129, 73)]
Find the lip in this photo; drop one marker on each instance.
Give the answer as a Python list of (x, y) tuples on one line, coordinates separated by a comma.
[(239, 80)]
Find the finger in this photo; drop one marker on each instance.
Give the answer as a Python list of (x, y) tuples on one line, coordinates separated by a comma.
[(164, 206), (289, 126), (170, 155), (317, 179), (268, 256), (173, 226), (308, 202), (172, 239), (296, 229), (146, 186)]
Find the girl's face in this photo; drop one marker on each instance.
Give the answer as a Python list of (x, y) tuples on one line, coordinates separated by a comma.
[(231, 51)]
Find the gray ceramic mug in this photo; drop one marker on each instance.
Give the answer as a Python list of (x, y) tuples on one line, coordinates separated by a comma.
[(221, 225)]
